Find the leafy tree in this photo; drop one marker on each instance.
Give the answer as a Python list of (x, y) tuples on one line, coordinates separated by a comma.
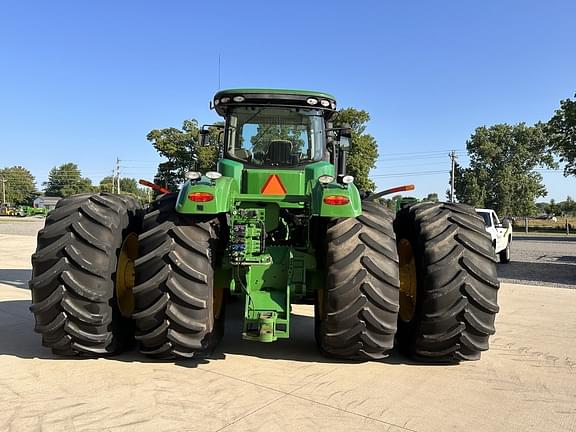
[(107, 184), (67, 180), (554, 208), (363, 151), (19, 185), (561, 132), (431, 197), (501, 173), (568, 206), (182, 149), (542, 207)]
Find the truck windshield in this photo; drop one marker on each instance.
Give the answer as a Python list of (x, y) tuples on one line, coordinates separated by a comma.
[(273, 136)]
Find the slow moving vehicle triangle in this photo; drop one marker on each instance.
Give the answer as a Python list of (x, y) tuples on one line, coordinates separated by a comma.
[(273, 186)]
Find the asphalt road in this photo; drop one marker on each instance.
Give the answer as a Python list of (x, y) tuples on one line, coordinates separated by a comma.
[(541, 260)]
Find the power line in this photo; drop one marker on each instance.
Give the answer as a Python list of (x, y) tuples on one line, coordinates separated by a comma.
[(431, 152), (413, 173)]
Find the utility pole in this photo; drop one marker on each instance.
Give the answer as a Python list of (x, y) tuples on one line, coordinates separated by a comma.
[(118, 176), (3, 190), (452, 156)]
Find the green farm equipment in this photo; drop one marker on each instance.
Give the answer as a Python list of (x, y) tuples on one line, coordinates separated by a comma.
[(24, 211), (280, 222)]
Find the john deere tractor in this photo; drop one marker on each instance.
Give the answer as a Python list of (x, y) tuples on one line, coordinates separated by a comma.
[(280, 222)]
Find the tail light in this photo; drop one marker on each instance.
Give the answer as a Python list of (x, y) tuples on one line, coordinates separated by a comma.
[(200, 197), (336, 200)]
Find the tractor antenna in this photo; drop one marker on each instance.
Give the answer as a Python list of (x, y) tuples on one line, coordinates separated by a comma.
[(218, 71)]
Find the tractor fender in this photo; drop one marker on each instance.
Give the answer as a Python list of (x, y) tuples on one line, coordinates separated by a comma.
[(222, 191), (319, 207)]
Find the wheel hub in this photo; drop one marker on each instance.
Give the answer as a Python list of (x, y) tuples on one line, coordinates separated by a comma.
[(126, 275), (408, 281)]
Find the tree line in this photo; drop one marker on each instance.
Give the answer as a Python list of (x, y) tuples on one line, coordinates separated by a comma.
[(505, 159), (18, 185)]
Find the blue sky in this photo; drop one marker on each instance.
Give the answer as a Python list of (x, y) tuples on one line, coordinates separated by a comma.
[(86, 81)]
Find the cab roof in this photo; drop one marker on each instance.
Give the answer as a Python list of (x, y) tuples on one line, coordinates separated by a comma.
[(274, 92), (225, 99)]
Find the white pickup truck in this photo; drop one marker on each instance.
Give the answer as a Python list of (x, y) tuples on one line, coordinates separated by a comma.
[(501, 233)]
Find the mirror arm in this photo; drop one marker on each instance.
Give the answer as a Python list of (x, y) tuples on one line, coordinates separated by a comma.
[(341, 163)]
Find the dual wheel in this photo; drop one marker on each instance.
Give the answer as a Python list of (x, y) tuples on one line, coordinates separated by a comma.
[(104, 275), (424, 280)]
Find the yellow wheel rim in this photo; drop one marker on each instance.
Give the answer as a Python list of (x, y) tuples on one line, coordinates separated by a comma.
[(126, 275), (217, 301), (408, 284)]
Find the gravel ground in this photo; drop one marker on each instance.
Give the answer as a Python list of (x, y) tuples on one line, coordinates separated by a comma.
[(536, 259), (541, 260)]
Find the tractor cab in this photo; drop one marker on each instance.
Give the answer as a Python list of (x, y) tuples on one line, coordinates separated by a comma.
[(275, 128)]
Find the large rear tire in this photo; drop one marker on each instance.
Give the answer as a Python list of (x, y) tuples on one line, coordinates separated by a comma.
[(448, 293), (357, 310), (178, 310), (74, 274)]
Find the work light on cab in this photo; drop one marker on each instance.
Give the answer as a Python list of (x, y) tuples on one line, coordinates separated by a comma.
[(192, 175), (213, 175), (325, 179)]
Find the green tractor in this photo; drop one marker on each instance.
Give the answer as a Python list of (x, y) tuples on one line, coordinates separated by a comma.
[(24, 211), (279, 223)]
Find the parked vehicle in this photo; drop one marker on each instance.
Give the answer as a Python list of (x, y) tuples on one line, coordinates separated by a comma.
[(500, 232), (24, 211), (7, 210)]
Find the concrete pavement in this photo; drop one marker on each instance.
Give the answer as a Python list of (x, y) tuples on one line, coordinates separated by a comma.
[(526, 382)]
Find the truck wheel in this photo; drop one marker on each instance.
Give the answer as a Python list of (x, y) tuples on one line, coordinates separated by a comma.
[(82, 274), (448, 282), (505, 254), (179, 312), (356, 312)]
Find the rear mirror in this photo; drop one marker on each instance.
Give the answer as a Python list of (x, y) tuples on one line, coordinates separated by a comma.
[(344, 136), (344, 142), (204, 137)]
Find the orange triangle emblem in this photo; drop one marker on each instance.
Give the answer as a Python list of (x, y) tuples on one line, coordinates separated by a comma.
[(273, 186)]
